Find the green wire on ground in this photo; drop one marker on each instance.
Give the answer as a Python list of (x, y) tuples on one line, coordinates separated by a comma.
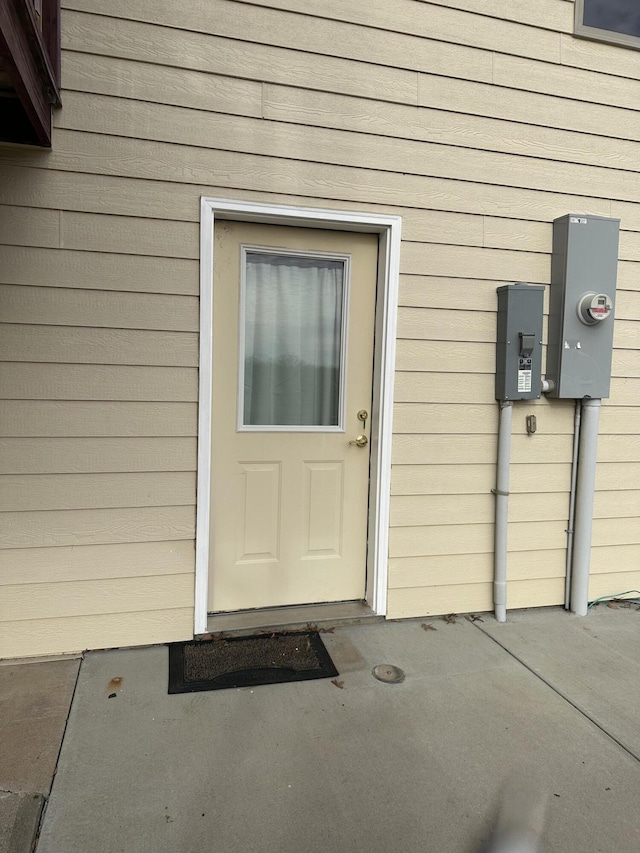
[(611, 597)]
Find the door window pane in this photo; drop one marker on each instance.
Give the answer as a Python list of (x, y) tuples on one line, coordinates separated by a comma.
[(293, 317)]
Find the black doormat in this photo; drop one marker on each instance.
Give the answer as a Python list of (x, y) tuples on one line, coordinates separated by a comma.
[(248, 661)]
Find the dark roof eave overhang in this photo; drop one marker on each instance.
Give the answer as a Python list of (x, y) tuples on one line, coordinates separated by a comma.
[(28, 65)]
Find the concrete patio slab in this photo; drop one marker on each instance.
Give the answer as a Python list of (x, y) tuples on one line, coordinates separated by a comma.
[(317, 767), (34, 706), (593, 661)]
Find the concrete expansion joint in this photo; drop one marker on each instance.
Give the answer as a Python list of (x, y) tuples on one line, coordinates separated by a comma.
[(559, 693)]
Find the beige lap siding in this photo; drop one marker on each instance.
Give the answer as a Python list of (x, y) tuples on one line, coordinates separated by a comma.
[(98, 428), (477, 122)]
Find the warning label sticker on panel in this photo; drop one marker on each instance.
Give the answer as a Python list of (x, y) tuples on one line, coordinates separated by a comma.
[(524, 381)]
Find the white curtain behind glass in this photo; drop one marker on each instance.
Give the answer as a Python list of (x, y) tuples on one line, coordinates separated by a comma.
[(293, 322)]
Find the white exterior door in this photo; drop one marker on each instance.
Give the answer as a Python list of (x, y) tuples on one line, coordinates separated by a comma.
[(293, 337)]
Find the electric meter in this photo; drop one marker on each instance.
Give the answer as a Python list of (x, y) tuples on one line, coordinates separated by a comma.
[(594, 308)]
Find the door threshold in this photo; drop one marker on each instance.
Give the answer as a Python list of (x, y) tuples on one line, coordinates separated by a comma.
[(290, 618)]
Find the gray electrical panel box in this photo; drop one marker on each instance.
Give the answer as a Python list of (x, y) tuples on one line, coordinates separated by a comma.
[(581, 305), (519, 342)]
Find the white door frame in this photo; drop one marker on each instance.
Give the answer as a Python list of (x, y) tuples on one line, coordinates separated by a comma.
[(389, 229)]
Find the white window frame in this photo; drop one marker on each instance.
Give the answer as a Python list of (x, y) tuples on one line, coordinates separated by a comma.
[(389, 230), (597, 34)]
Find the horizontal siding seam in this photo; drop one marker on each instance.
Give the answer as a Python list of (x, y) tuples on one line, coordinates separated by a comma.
[(351, 24), (426, 143), (81, 509), (104, 363), (44, 619), (75, 581), (373, 171), (467, 583), (576, 102), (364, 169), (408, 32), (561, 63), (90, 290)]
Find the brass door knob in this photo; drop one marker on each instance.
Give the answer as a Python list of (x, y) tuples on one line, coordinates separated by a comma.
[(360, 441)]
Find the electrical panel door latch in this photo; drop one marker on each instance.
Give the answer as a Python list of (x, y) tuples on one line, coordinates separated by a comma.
[(527, 343)]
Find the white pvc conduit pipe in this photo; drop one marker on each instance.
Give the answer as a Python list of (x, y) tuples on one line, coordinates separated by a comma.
[(572, 503), (584, 507), (501, 492)]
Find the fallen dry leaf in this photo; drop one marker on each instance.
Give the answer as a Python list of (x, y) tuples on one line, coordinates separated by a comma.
[(337, 683), (427, 627), (627, 603), (450, 619)]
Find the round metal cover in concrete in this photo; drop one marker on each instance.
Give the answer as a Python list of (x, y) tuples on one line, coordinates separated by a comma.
[(388, 673)]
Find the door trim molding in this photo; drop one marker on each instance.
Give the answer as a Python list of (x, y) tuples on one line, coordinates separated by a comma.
[(389, 229)]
